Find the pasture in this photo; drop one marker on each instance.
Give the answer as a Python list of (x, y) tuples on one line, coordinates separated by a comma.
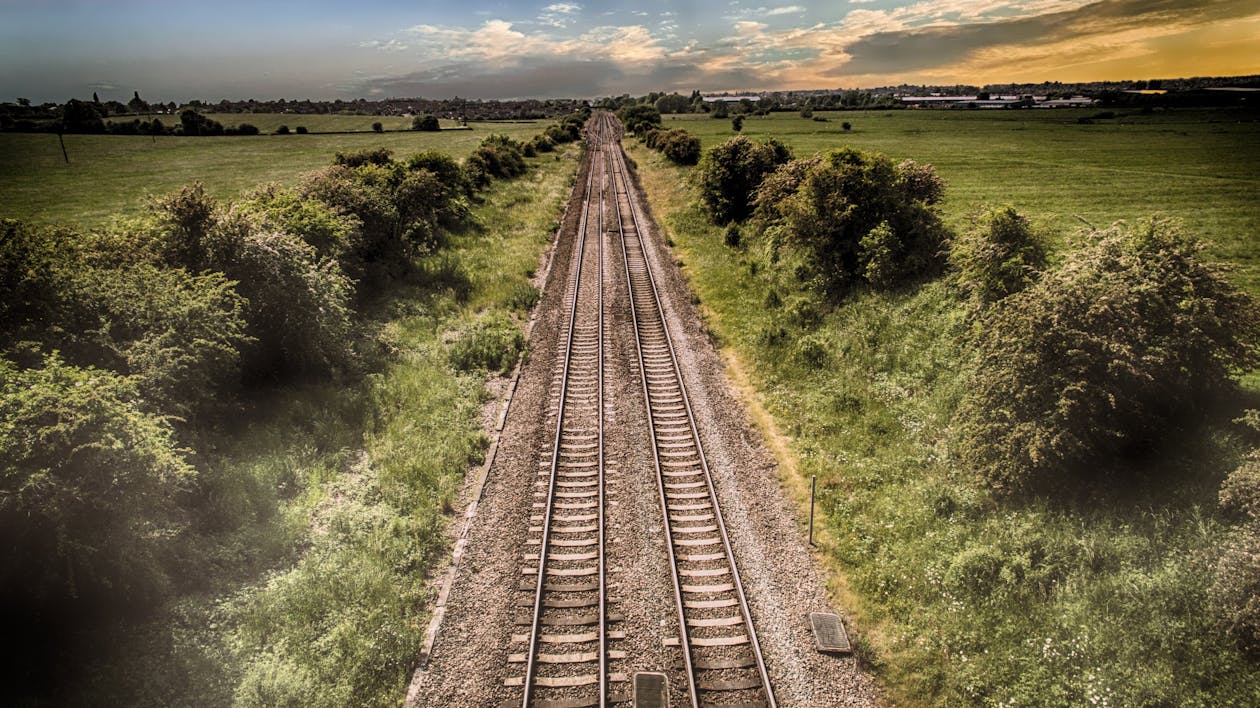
[(112, 174), (1202, 166)]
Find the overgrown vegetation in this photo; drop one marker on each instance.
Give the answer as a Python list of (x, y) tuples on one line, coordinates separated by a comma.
[(1100, 572), (136, 360), (679, 146)]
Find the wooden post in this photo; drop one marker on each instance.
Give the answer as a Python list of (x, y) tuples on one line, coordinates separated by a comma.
[(62, 140), (813, 480)]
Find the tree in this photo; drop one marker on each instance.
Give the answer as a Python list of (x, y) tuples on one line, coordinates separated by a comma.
[(426, 122), (377, 128), (137, 104), (998, 256), (82, 117), (855, 221), (638, 117), (737, 123), (1144, 332), (731, 172), (672, 103), (87, 494)]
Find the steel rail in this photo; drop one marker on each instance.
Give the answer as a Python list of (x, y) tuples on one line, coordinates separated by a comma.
[(616, 156), (530, 663)]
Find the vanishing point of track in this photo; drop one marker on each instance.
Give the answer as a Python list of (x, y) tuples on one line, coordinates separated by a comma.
[(568, 662)]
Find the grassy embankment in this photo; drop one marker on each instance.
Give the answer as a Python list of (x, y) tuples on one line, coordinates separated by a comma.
[(333, 498), (961, 596), (112, 174)]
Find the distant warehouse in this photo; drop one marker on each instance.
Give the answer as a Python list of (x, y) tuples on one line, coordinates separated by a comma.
[(987, 101)]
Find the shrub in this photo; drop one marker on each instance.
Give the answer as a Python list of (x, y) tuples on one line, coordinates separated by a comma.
[(999, 255), (853, 220), (426, 123), (378, 128), (847, 126), (246, 129), (297, 310), (87, 494), (732, 171), (331, 233), (1235, 590), (638, 117), (366, 156), (920, 182), (178, 335), (493, 342), (737, 123), (298, 303), (732, 236), (35, 272), (282, 130), (301, 130), (543, 143), (1143, 331), (681, 147)]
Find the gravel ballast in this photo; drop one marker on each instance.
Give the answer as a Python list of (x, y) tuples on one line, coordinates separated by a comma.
[(469, 661)]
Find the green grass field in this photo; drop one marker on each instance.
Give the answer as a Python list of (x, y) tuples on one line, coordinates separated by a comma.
[(962, 597), (110, 175), (1201, 166)]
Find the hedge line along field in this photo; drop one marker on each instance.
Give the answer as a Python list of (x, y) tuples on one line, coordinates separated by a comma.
[(1099, 595), (1202, 166), (112, 174), (316, 589)]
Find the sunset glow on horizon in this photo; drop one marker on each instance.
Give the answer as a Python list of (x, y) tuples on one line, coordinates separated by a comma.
[(51, 51)]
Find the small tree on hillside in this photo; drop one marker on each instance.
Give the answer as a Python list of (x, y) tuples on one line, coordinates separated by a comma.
[(737, 123), (378, 128)]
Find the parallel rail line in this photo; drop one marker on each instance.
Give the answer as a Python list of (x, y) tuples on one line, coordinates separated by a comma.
[(567, 657)]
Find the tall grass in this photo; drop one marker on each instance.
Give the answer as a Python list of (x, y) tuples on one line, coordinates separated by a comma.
[(962, 598)]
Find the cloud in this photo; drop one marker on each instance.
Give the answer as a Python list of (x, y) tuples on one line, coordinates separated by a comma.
[(892, 50), (561, 14), (789, 10)]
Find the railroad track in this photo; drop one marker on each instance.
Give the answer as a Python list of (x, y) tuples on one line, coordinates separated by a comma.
[(568, 657)]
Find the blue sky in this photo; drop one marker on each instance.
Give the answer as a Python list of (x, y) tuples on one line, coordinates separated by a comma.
[(57, 49)]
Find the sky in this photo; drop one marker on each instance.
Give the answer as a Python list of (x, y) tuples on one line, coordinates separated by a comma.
[(52, 50)]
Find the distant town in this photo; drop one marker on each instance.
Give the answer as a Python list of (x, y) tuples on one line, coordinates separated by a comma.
[(92, 114)]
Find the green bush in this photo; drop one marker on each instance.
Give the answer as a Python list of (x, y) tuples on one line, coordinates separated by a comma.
[(87, 489), (179, 336), (493, 342), (854, 221), (366, 156), (639, 117), (331, 233), (731, 172), (1000, 254), (36, 266), (426, 122), (1235, 591), (1101, 356), (298, 304)]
